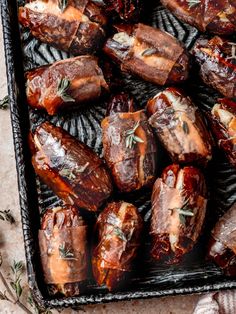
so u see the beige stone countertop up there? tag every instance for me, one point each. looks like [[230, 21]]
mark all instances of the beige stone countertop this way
[[11, 240]]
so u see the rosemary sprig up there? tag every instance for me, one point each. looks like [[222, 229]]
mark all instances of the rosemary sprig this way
[[65, 252], [4, 103], [149, 52], [62, 88], [7, 216], [62, 4], [17, 270], [233, 51], [193, 3], [131, 138]]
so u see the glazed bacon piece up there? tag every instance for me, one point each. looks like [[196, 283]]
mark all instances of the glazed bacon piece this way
[[150, 53], [129, 146], [73, 26], [63, 250], [223, 121], [217, 60], [222, 246], [118, 229], [215, 16], [64, 84], [180, 127], [178, 212], [70, 168]]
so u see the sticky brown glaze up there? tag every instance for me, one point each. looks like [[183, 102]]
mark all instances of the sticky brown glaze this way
[[149, 53], [121, 102], [118, 228], [180, 127], [128, 10], [133, 164], [65, 84], [217, 61], [178, 212], [223, 121], [78, 28], [70, 168], [215, 16], [63, 250], [222, 245]]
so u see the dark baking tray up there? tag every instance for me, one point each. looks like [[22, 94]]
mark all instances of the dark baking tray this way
[[148, 279]]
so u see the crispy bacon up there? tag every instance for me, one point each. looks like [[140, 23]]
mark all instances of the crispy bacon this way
[[65, 84], [63, 250], [70, 168], [118, 228], [215, 16], [180, 127], [217, 60], [73, 26], [129, 146], [150, 53], [178, 212]]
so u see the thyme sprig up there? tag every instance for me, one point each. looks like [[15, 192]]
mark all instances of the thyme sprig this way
[[184, 212], [120, 234], [193, 3], [62, 4], [17, 270], [131, 138], [65, 252], [4, 103], [149, 52], [62, 88], [185, 127], [7, 216]]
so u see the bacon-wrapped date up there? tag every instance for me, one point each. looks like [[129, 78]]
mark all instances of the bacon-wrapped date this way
[[65, 83], [180, 127], [118, 229], [70, 168], [73, 26], [63, 250], [150, 53], [178, 212], [222, 246], [129, 147], [215, 16], [217, 60], [223, 121]]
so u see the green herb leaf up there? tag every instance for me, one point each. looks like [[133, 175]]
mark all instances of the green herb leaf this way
[[62, 4], [62, 88], [4, 103], [131, 138], [193, 3], [185, 127], [65, 252], [149, 52]]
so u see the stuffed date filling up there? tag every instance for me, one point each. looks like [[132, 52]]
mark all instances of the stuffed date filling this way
[[150, 53]]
